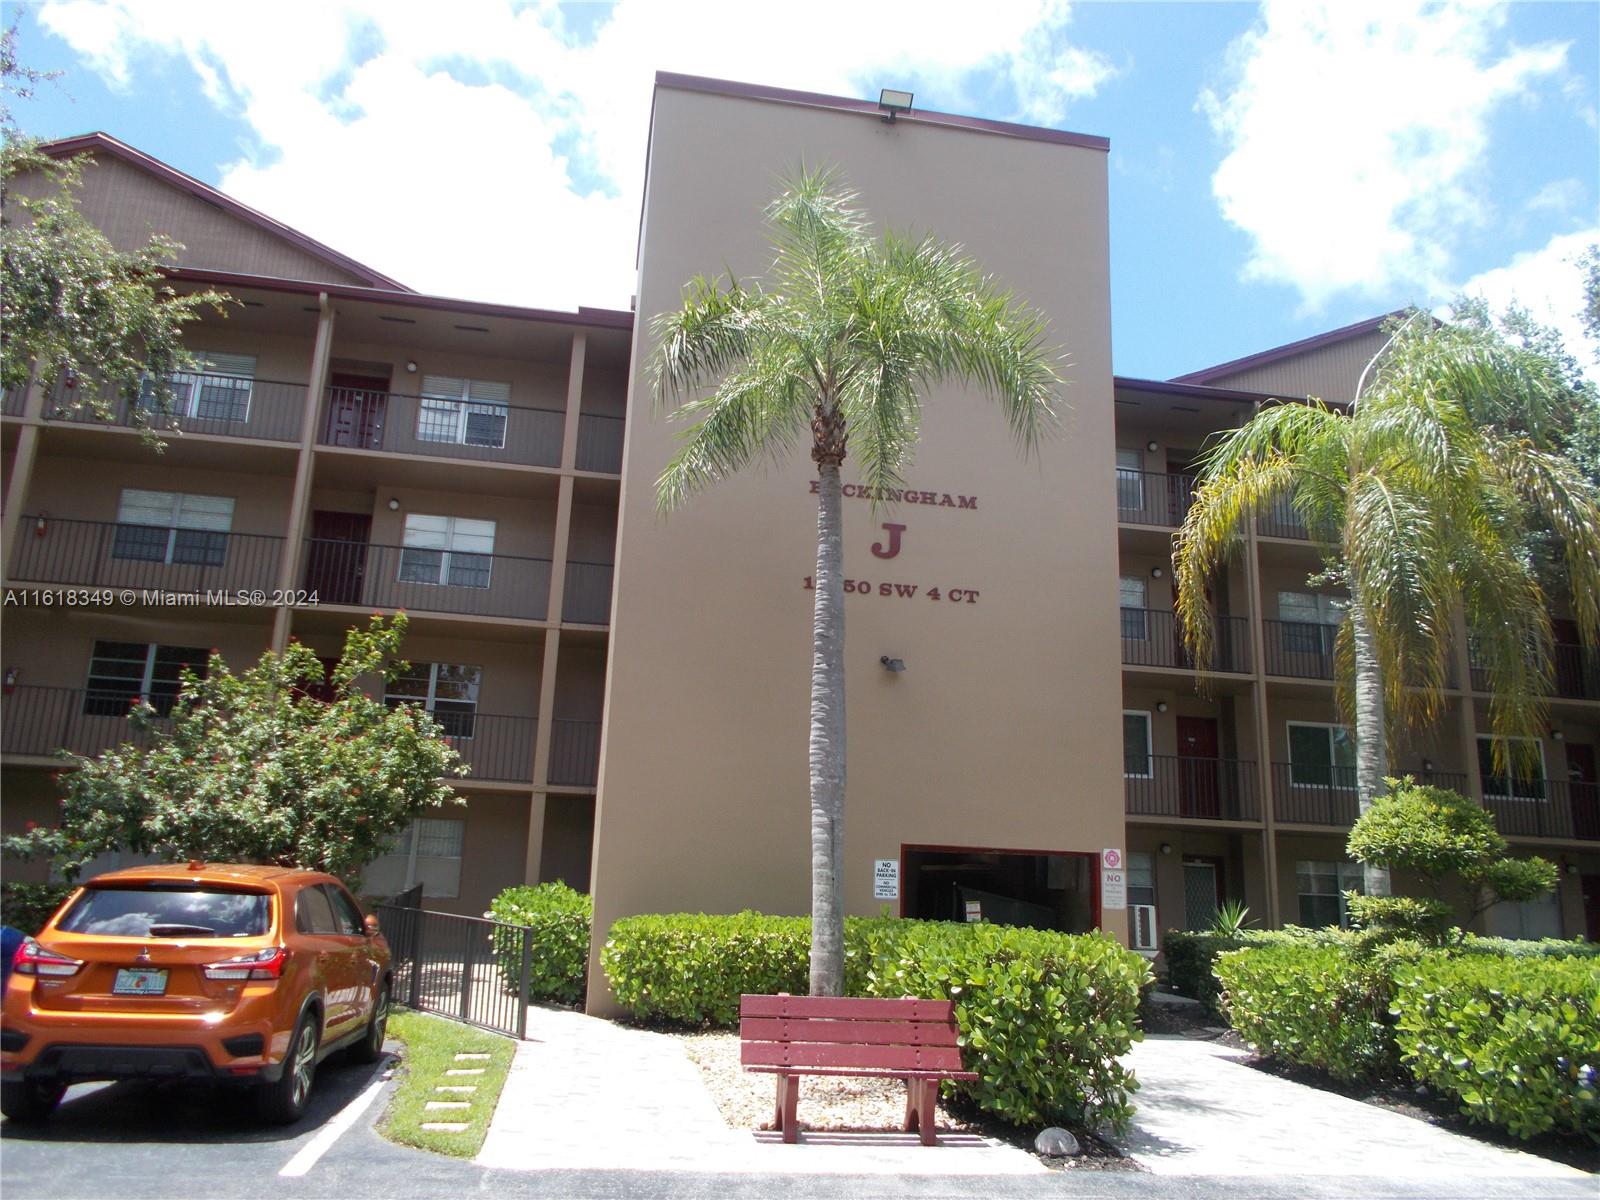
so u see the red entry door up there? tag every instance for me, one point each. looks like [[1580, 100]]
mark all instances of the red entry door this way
[[1585, 788], [357, 405], [1199, 792], [336, 558]]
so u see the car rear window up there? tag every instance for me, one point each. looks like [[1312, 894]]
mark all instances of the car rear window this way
[[182, 910]]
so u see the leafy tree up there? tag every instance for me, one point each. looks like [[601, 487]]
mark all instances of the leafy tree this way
[[75, 307], [1441, 836], [256, 770], [840, 342], [1423, 512]]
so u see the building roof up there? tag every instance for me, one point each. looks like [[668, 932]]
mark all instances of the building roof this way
[[104, 143], [1289, 350]]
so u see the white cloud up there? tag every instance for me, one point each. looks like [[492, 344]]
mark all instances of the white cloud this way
[[1356, 137], [409, 160], [1548, 283]]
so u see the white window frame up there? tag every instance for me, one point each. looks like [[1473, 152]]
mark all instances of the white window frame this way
[[1333, 765], [176, 522], [1510, 776], [1327, 606], [1143, 609], [213, 364], [1347, 877], [146, 678], [406, 846], [1149, 745], [442, 577], [1130, 477], [431, 698], [463, 403]]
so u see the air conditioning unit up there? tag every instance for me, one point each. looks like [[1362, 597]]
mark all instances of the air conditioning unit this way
[[1142, 926]]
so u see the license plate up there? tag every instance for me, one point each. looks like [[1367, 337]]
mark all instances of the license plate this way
[[139, 981]]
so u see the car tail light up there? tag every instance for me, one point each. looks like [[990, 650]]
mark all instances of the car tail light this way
[[265, 964], [34, 959]]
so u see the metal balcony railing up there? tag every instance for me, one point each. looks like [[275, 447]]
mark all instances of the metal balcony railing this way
[[444, 581], [1553, 808], [482, 431], [1217, 789], [1314, 795], [574, 752], [109, 554], [224, 405], [586, 599], [16, 401], [1299, 649], [1153, 498], [494, 747], [39, 721], [599, 443], [1577, 672], [1150, 638], [1280, 520]]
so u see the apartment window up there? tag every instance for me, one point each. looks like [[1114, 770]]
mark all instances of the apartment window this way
[[1130, 479], [447, 550], [1140, 870], [1322, 886], [121, 672], [1136, 744], [469, 412], [1321, 755], [217, 389], [448, 691], [1135, 600], [428, 851], [1309, 620], [1519, 774], [172, 527]]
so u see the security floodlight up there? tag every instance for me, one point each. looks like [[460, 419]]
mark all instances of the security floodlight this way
[[893, 103], [892, 665]]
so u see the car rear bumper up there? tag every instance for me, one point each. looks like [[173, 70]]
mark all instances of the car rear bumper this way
[[80, 1063], [78, 1047]]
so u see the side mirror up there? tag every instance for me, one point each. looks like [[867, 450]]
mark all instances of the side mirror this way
[[371, 924]]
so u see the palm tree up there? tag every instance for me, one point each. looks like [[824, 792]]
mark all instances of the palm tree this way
[[841, 340], [1423, 513]]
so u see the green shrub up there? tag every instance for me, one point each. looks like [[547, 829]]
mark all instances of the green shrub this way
[[1320, 1006], [1191, 956], [1524, 948], [1043, 1016], [27, 906], [558, 962], [1516, 1041]]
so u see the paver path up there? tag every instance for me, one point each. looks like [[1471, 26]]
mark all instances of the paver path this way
[[1200, 1111]]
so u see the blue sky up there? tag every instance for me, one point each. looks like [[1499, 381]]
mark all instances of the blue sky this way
[[1276, 169]]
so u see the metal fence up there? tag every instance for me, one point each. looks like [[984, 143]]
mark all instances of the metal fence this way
[[1150, 638], [1217, 789], [469, 969], [483, 431], [222, 405], [144, 557], [423, 580], [599, 443], [1153, 498], [574, 752]]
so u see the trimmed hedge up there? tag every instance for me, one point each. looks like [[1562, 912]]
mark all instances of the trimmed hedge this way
[[560, 919], [1516, 1042], [1044, 1017], [1191, 956], [27, 906]]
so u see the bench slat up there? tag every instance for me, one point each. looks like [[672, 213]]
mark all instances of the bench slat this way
[[871, 1033], [846, 1008], [860, 1072], [881, 1058]]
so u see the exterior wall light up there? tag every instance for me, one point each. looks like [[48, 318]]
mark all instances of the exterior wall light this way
[[1161, 706], [1152, 445], [893, 103], [411, 366], [1557, 736], [1166, 847], [1156, 572], [892, 665], [394, 505]]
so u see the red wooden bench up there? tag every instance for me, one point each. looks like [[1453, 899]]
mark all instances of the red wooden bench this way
[[791, 1036]]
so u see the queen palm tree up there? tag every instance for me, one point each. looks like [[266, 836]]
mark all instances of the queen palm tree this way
[[1423, 512], [841, 341]]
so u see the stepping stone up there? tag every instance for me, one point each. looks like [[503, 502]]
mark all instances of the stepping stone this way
[[445, 1087], [433, 1105], [443, 1126], [464, 1071], [463, 1057]]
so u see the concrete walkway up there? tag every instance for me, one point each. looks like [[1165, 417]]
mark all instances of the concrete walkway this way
[[1201, 1111]]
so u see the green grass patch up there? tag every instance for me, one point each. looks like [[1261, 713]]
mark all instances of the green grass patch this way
[[431, 1046]]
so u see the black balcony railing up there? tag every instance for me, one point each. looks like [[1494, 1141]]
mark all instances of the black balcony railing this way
[[1314, 795], [359, 419], [1217, 789], [599, 443], [109, 554], [494, 747], [1280, 520], [1299, 649], [1150, 638], [587, 597], [1577, 672], [39, 721], [16, 401], [1552, 808], [574, 752], [1152, 498], [444, 581], [224, 405], [1455, 781]]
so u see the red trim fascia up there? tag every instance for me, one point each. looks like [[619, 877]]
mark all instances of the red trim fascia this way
[[607, 318], [753, 91], [1288, 350], [92, 142]]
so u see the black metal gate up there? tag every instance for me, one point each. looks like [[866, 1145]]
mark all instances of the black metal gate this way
[[466, 968]]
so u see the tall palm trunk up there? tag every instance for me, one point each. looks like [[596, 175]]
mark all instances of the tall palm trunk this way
[[1372, 745], [827, 742]]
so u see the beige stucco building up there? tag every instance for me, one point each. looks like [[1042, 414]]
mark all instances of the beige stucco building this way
[[630, 691]]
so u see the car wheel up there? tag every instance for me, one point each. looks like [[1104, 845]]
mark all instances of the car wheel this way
[[370, 1048], [284, 1102], [30, 1100]]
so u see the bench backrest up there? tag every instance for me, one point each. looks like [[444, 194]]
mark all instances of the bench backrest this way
[[825, 1031]]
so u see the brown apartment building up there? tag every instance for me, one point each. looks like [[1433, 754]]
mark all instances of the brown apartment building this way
[[630, 691]]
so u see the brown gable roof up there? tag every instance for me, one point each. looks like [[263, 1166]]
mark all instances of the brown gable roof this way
[[104, 143]]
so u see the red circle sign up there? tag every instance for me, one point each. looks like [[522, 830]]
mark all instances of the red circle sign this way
[[1111, 858]]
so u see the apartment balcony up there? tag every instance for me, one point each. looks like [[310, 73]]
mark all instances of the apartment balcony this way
[[1280, 520], [1577, 672], [496, 748], [478, 431], [1321, 795], [574, 753], [216, 405], [600, 443], [1299, 649], [1545, 808], [364, 575], [1181, 788], [15, 402], [1152, 498], [107, 554], [586, 599], [38, 721], [1150, 638]]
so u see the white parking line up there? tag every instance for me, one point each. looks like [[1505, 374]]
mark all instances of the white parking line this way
[[331, 1132]]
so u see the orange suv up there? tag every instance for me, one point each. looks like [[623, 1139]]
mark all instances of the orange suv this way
[[240, 974]]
